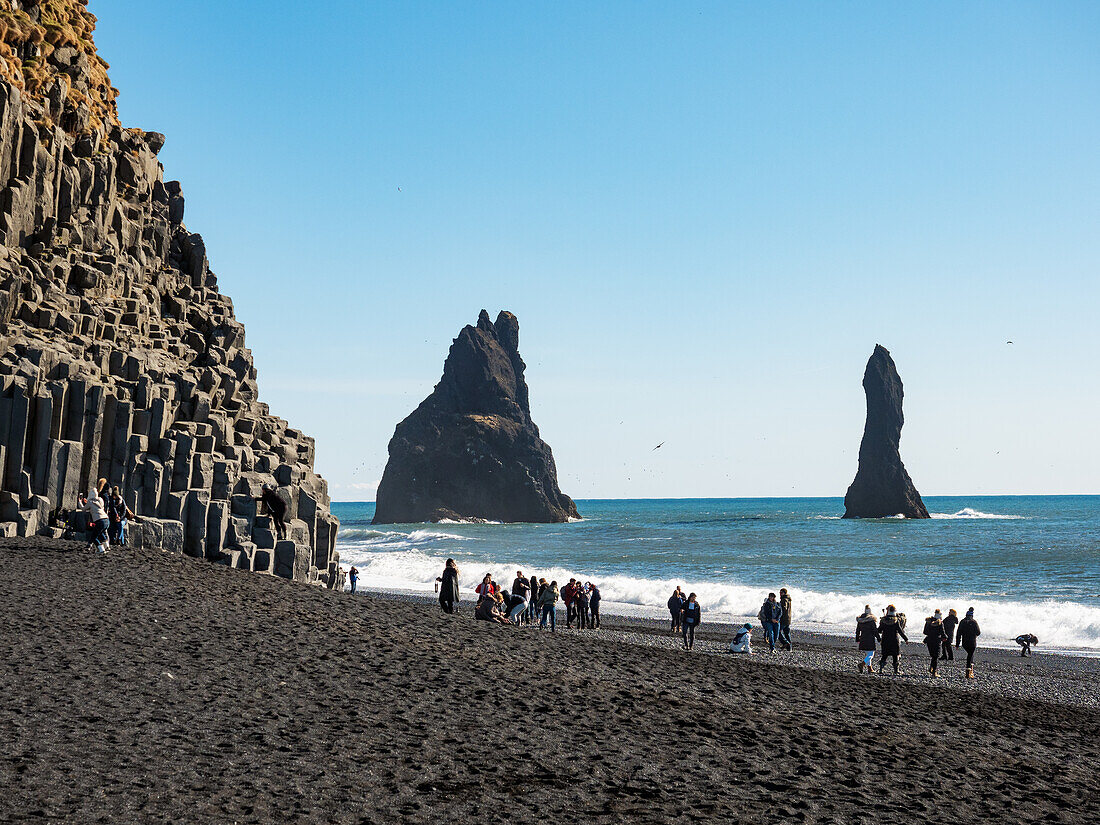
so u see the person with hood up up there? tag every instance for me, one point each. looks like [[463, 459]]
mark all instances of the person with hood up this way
[[890, 629], [690, 621], [770, 614], [967, 636], [96, 507], [548, 600], [867, 634], [742, 640], [594, 605], [949, 624], [934, 637], [1026, 641], [676, 607], [448, 587]]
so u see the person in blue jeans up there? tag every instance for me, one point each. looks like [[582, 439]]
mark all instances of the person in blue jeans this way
[[118, 513], [689, 618], [547, 603], [353, 576], [770, 614], [96, 508]]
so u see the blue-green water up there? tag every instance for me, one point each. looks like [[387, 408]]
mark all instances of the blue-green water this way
[[1026, 563]]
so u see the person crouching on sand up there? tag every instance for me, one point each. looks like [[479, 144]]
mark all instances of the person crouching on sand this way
[[448, 587], [867, 634], [548, 601], [967, 636], [934, 637], [690, 620], [676, 607], [1026, 641], [742, 640], [889, 630]]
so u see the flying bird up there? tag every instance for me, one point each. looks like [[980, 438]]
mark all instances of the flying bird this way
[[1008, 342], [659, 446]]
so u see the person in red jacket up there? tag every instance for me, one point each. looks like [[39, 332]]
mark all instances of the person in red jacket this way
[[568, 595]]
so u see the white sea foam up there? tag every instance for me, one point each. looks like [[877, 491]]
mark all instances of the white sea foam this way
[[465, 521], [1060, 625], [969, 513]]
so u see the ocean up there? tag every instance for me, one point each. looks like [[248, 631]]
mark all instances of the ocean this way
[[1025, 563]]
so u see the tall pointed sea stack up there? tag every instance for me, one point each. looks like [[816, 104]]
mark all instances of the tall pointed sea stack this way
[[882, 488], [470, 451], [119, 356]]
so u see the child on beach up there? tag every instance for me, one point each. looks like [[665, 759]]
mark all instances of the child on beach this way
[[742, 640], [867, 634], [1026, 641]]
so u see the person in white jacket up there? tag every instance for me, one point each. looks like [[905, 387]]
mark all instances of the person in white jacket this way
[[742, 640], [96, 507]]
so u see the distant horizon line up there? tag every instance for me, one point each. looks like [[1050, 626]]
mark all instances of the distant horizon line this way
[[805, 498]]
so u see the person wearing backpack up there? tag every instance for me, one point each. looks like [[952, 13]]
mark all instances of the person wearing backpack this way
[[742, 640], [967, 636], [934, 637]]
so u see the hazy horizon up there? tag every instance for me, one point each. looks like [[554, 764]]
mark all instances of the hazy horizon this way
[[704, 218]]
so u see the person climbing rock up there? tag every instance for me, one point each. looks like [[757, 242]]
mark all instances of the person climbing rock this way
[[276, 508]]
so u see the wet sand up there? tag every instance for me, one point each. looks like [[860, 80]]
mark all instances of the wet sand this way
[[142, 687]]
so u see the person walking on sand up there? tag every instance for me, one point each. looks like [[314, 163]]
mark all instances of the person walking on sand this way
[[934, 637], [967, 636], [353, 577], [676, 607], [594, 605], [867, 634], [547, 603], [742, 640], [448, 587], [785, 604], [770, 614], [949, 624], [692, 613], [890, 629], [96, 508], [1026, 641]]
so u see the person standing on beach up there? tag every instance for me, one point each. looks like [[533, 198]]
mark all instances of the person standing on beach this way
[[568, 594], [547, 602], [594, 605], [785, 604], [948, 652], [521, 587], [867, 634], [676, 607], [692, 614], [96, 508], [580, 606], [353, 575], [769, 616], [967, 636], [448, 587], [118, 513], [890, 629], [532, 602], [934, 637]]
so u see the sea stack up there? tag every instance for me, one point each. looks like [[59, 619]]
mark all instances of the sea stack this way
[[470, 451], [119, 356], [882, 488]]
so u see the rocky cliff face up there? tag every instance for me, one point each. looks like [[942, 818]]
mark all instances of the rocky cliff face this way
[[119, 357], [882, 488], [471, 450]]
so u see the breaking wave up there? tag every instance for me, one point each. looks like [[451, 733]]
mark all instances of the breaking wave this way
[[969, 513]]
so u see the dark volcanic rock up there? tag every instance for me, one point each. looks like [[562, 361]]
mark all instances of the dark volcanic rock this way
[[470, 450], [881, 487]]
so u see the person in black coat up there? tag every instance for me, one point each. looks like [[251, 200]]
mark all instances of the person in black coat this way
[[890, 631], [949, 624], [689, 619], [594, 604], [448, 587], [676, 607], [867, 637], [967, 636], [933, 639]]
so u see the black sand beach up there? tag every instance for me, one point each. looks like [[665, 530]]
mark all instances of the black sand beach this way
[[142, 687]]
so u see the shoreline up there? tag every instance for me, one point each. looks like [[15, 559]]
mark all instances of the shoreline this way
[[146, 686]]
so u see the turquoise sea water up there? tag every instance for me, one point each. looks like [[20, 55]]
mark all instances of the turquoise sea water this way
[[1026, 563]]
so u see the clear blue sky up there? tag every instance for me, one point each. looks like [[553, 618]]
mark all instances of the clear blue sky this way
[[705, 216]]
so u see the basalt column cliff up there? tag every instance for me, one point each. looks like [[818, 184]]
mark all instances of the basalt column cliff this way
[[882, 488], [470, 451], [119, 357]]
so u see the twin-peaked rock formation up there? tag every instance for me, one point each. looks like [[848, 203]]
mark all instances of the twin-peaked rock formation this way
[[470, 451], [882, 488], [119, 357]]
